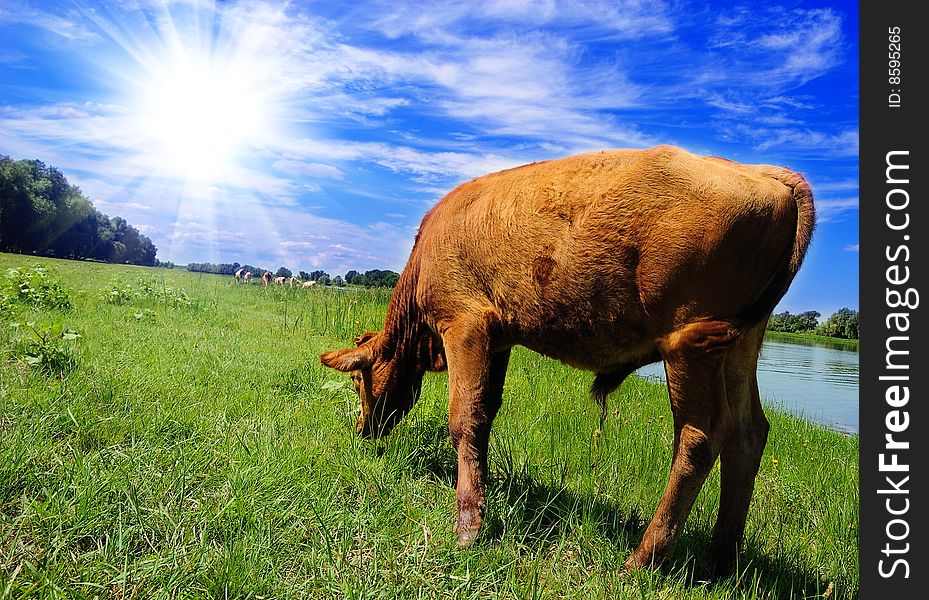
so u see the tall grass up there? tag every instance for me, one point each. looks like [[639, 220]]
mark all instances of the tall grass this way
[[811, 339], [201, 450]]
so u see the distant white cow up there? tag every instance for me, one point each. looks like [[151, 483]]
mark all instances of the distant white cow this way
[[246, 277], [292, 281], [280, 280], [308, 284], [239, 275]]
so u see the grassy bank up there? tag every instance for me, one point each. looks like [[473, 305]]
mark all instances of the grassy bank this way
[[189, 444], [812, 338]]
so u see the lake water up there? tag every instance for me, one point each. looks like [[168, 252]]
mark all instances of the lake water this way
[[813, 381]]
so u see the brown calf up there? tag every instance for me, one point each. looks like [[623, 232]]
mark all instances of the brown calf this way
[[606, 261]]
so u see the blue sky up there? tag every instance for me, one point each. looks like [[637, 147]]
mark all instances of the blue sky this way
[[315, 135]]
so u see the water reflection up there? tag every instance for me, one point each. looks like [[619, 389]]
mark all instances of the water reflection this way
[[812, 380]]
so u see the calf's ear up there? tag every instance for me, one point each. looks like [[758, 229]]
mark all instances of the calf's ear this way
[[350, 359], [365, 337]]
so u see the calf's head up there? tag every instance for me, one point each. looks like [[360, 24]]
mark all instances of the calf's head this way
[[387, 383]]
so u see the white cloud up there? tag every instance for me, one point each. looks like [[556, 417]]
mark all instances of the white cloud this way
[[524, 84], [148, 230], [529, 87], [302, 241], [130, 205], [97, 126], [834, 209], [791, 102], [297, 167], [422, 165], [799, 141], [619, 18], [843, 185], [63, 24], [718, 100], [809, 43], [778, 48], [844, 143], [96, 189]]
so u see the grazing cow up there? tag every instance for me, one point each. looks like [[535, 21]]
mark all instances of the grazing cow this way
[[292, 281], [247, 277], [266, 278], [308, 284], [280, 280], [239, 275], [606, 261]]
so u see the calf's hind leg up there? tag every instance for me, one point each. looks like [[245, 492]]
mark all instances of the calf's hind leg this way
[[696, 385], [741, 452]]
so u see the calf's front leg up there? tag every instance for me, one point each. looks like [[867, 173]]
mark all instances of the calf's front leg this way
[[475, 392]]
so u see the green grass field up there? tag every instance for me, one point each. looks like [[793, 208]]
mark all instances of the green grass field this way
[[178, 438]]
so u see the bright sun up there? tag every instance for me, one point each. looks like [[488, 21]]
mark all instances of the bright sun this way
[[200, 117]]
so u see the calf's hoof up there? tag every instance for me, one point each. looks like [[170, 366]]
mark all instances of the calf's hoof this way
[[721, 564], [642, 558], [468, 525], [631, 564], [466, 539]]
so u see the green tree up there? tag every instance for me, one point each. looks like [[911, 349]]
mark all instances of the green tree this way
[[41, 212], [255, 271], [843, 323], [19, 206], [379, 278], [808, 321], [804, 322]]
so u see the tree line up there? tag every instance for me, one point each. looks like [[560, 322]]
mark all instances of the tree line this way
[[42, 213], [372, 278], [843, 323], [223, 268]]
